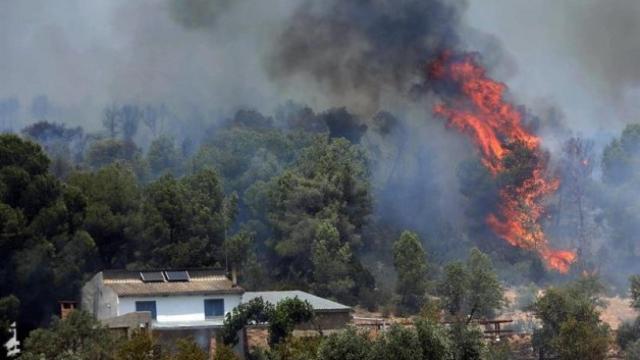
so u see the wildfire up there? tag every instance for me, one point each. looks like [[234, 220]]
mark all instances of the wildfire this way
[[496, 128]]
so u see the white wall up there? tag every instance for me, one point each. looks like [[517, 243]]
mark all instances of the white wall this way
[[178, 308]]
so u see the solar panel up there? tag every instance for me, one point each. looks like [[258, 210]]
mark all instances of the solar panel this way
[[177, 275], [152, 276]]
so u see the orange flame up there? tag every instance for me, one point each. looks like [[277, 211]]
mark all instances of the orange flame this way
[[493, 124]]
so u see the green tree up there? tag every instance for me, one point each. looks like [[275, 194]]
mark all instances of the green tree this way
[[286, 315], [467, 342], [346, 345], [571, 325], [141, 346], [255, 311], [162, 156], [295, 348], [409, 259], [108, 151], [282, 318], [113, 211], [629, 332], [328, 183], [472, 290], [184, 223], [619, 158], [635, 291], [79, 336], [398, 343], [224, 352], [620, 174], [434, 340], [41, 235], [331, 264], [189, 350], [579, 339]]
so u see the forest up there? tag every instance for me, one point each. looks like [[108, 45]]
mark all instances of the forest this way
[[291, 201]]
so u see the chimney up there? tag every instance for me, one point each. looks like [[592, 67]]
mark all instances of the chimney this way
[[234, 276], [66, 307]]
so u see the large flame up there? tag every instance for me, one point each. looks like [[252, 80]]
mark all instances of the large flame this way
[[496, 127]]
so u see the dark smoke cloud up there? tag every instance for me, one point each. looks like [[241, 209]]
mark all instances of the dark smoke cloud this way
[[362, 49]]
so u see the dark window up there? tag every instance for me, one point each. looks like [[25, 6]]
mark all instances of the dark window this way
[[213, 308], [149, 306]]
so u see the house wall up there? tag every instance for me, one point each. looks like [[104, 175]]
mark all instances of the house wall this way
[[98, 299], [179, 308]]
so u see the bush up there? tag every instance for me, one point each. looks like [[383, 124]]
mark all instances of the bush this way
[[398, 343], [223, 352], [189, 350], [434, 340], [467, 342], [347, 345], [628, 333]]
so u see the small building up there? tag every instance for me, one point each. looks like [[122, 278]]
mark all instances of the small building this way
[[329, 315], [172, 303]]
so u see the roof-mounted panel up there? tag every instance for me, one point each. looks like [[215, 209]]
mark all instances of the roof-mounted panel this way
[[152, 276], [174, 276]]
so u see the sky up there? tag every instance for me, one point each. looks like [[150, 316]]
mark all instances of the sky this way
[[578, 55]]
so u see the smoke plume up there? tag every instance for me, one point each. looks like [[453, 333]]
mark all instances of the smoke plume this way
[[361, 51]]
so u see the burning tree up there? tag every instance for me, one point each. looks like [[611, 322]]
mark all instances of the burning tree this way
[[577, 167], [508, 150]]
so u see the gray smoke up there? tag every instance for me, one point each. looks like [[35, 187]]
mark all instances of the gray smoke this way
[[579, 56], [86, 55], [359, 51]]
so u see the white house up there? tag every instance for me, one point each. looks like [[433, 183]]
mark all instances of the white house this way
[[174, 298], [185, 303]]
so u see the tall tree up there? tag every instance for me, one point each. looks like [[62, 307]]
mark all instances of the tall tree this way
[[41, 235], [472, 290], [409, 259], [331, 264], [184, 222], [113, 211], [571, 325], [574, 206], [162, 156], [327, 184]]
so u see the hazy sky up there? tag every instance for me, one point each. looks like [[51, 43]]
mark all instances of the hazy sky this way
[[580, 56]]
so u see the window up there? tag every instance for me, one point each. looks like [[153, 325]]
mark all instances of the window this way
[[149, 306], [213, 308]]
